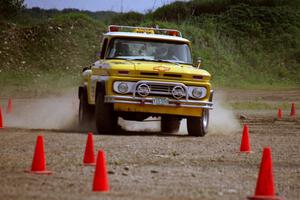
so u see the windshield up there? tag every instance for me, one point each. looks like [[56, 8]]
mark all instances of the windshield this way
[[133, 49]]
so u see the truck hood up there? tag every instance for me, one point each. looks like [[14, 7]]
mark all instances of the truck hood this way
[[155, 69]]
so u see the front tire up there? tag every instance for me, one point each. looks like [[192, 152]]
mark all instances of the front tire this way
[[198, 126], [106, 120], [86, 111], [169, 124]]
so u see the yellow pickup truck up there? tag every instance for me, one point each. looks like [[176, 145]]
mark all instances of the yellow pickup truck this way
[[141, 73]]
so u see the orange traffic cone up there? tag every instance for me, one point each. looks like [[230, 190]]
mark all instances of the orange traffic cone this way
[[9, 106], [245, 144], [1, 118], [279, 114], [293, 110], [100, 183], [89, 156], [39, 162], [265, 182]]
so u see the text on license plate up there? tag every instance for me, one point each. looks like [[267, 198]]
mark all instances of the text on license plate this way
[[160, 101]]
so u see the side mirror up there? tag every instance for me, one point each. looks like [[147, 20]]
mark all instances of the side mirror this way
[[87, 73], [199, 62], [84, 69]]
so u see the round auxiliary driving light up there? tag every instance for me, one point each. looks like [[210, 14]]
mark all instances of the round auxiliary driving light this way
[[143, 90], [178, 92], [123, 88]]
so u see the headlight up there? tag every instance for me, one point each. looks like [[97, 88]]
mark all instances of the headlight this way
[[197, 92], [123, 87]]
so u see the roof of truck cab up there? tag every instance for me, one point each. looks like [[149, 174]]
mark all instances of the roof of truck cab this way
[[146, 36]]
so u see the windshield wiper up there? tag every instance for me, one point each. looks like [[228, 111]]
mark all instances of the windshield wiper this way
[[154, 60], [141, 59], [116, 58], [168, 61], [175, 62]]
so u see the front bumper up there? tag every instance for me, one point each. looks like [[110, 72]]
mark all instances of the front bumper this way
[[149, 101]]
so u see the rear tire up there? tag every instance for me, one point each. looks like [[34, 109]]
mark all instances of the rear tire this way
[[106, 119], [86, 111], [198, 126], [170, 124]]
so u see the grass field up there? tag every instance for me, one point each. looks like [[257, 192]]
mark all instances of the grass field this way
[[248, 46]]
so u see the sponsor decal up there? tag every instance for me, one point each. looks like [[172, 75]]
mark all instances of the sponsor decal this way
[[161, 69]]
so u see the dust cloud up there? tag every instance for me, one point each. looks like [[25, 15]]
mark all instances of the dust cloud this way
[[149, 125], [222, 120], [61, 113], [53, 112]]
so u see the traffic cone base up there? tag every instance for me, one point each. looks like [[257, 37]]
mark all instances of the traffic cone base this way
[[246, 152], [89, 164], [46, 172], [264, 198]]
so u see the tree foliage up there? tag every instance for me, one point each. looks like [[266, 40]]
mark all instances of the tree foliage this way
[[130, 18], [10, 8], [179, 11]]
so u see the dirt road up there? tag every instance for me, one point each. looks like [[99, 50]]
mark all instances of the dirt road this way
[[151, 165]]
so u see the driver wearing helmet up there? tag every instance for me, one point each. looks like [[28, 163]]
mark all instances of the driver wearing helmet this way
[[122, 49], [161, 52]]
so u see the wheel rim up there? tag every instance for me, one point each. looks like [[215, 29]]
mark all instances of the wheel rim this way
[[205, 119]]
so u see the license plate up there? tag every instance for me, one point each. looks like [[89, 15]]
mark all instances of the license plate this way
[[160, 101]]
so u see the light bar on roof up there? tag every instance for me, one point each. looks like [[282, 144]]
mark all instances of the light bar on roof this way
[[146, 30]]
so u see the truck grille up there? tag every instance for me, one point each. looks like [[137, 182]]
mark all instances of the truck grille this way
[[160, 89], [157, 88]]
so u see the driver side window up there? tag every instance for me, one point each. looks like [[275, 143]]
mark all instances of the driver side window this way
[[104, 47]]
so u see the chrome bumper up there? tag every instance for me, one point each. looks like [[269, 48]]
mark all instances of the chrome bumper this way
[[149, 101]]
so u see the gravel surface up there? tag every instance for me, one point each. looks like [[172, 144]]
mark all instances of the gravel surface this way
[[153, 165]]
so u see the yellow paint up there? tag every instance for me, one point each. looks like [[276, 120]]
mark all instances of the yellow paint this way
[[141, 30], [110, 71], [196, 112]]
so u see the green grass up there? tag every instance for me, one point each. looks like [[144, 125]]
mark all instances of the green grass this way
[[236, 66], [38, 58], [244, 44], [254, 45], [39, 83], [260, 86], [180, 11]]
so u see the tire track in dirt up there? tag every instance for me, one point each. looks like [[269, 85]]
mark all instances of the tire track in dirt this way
[[152, 165]]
